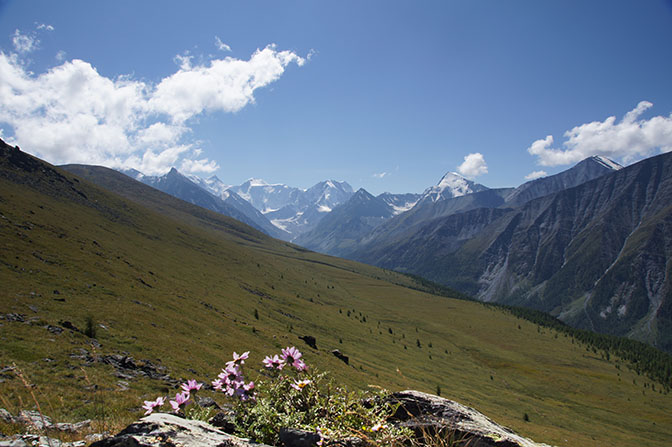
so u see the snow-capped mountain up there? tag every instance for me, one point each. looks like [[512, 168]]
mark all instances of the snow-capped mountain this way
[[307, 207], [292, 210], [212, 184], [267, 197], [328, 194], [451, 185], [191, 189]]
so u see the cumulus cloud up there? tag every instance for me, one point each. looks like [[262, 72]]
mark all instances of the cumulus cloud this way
[[72, 114], [221, 45], [535, 175], [203, 165], [224, 85], [473, 165], [45, 27], [627, 140]]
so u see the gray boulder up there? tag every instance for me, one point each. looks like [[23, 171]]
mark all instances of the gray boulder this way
[[160, 430], [427, 415]]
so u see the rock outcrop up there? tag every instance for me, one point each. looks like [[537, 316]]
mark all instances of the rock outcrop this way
[[425, 414], [160, 430]]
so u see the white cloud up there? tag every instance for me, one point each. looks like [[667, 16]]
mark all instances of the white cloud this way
[[380, 174], [535, 175], [72, 114], [473, 165], [225, 85], [60, 56], [203, 165], [24, 43], [44, 26], [221, 45], [628, 140]]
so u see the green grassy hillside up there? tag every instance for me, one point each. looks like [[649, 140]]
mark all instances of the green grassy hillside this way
[[178, 286]]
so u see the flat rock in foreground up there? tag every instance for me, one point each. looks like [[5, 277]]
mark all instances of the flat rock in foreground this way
[[161, 430]]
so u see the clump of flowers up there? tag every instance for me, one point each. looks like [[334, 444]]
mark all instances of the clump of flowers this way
[[180, 402], [288, 394]]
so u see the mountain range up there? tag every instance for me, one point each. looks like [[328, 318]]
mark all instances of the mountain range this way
[[590, 245], [278, 210], [185, 188]]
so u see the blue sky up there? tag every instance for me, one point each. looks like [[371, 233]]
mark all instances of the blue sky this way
[[387, 95]]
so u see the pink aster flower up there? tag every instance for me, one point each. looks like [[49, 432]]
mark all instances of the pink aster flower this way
[[231, 374], [299, 384], [180, 399], [246, 392], [217, 384], [191, 385], [232, 388], [291, 356], [238, 359], [150, 405], [300, 365], [274, 362]]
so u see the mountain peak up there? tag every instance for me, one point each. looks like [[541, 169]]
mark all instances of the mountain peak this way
[[256, 182], [606, 162], [362, 194], [451, 185]]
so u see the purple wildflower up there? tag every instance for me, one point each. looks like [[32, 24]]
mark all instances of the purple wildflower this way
[[231, 374], [291, 356], [274, 362], [246, 392], [238, 359], [300, 365], [180, 399], [191, 385], [150, 405]]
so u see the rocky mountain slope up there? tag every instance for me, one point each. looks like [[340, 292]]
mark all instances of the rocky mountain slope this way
[[596, 255], [340, 230], [586, 170]]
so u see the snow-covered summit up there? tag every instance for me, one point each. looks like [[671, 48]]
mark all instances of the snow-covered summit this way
[[451, 185]]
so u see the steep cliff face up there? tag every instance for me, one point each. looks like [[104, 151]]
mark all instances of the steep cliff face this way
[[598, 255]]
